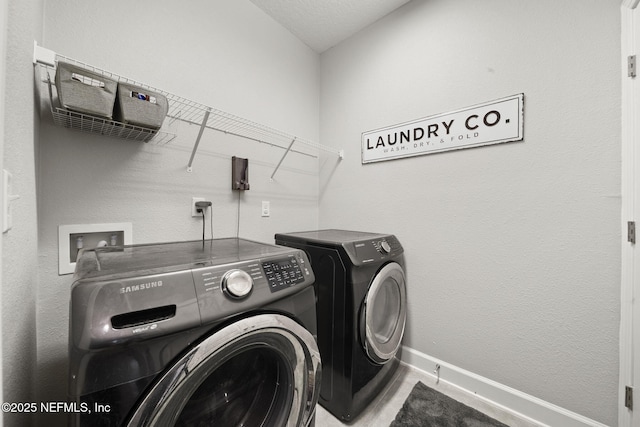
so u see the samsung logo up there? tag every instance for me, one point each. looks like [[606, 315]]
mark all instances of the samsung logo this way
[[140, 287]]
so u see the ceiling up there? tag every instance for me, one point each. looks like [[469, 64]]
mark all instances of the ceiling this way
[[322, 24]]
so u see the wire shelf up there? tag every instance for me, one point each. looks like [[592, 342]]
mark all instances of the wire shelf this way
[[100, 125], [106, 127], [194, 113], [181, 109]]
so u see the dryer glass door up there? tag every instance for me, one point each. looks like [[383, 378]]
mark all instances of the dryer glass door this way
[[260, 371], [385, 314]]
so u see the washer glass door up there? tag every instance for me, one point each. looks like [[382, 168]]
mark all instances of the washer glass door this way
[[260, 371], [384, 314]]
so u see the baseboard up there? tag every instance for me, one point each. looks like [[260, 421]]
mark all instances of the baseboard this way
[[508, 398]]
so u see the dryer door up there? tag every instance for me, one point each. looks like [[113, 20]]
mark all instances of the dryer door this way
[[260, 371], [385, 314]]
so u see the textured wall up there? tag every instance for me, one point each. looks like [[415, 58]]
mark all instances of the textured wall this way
[[513, 250], [4, 11], [226, 54], [19, 275]]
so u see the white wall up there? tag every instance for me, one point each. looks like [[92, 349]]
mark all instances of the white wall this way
[[513, 250], [4, 6], [226, 54], [20, 275]]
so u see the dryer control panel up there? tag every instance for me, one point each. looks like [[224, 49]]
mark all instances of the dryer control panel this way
[[373, 250]]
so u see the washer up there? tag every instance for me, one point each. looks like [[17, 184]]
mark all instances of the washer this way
[[361, 309], [217, 332]]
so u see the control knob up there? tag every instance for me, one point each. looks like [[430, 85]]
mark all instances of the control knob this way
[[385, 248], [237, 283]]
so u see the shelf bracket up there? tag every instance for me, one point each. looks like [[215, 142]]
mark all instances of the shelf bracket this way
[[43, 56], [195, 146], [282, 159]]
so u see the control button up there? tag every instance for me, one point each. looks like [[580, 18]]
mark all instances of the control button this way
[[384, 247], [237, 283]]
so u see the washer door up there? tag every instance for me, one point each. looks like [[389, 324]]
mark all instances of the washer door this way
[[384, 314], [260, 371]]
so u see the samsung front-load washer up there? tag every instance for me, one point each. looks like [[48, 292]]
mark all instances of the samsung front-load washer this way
[[213, 333], [361, 309]]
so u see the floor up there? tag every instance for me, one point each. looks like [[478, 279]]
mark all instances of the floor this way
[[382, 411]]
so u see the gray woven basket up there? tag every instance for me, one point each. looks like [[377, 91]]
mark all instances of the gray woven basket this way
[[84, 91]]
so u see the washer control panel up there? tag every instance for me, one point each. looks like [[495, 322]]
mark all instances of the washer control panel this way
[[237, 283], [283, 273], [225, 290]]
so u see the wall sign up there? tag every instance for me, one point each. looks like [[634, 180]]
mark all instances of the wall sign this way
[[492, 122]]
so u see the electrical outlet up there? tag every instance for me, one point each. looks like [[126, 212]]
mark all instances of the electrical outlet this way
[[266, 208], [194, 210]]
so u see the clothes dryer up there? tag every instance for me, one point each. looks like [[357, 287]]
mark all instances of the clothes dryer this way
[[361, 309], [219, 332]]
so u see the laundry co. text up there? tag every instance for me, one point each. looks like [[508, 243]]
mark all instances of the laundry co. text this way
[[489, 123]]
